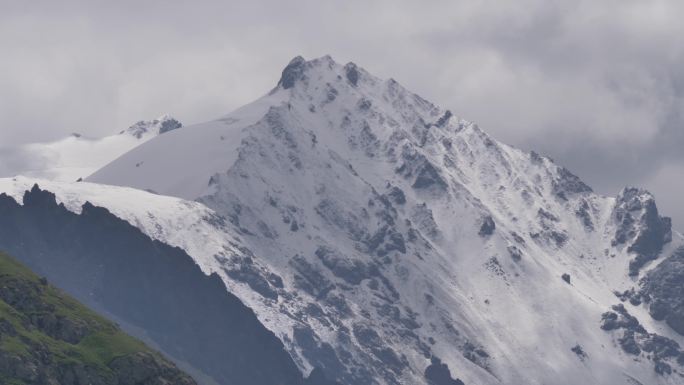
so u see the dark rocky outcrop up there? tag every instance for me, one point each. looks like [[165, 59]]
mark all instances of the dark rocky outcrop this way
[[163, 125], [566, 277], [248, 273], [46, 337], [155, 291], [352, 73], [581, 354], [352, 270], [663, 288], [438, 373], [567, 184], [397, 195], [428, 176], [635, 340], [515, 253], [292, 72], [169, 125], [487, 227], [583, 213], [640, 227]]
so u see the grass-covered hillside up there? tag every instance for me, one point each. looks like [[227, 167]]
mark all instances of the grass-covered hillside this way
[[48, 338]]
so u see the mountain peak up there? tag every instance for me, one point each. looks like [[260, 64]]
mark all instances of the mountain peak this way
[[292, 72], [392, 231], [162, 124], [298, 68]]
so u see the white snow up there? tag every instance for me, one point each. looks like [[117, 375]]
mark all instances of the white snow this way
[[324, 154]]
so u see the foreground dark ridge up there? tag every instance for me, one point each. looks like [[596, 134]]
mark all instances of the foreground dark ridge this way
[[155, 291], [46, 337]]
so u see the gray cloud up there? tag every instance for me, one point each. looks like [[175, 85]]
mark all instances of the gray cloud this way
[[596, 85]]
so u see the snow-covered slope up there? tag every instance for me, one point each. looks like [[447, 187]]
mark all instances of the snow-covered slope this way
[[76, 156], [381, 238]]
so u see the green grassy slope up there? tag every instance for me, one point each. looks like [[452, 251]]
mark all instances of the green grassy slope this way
[[46, 337]]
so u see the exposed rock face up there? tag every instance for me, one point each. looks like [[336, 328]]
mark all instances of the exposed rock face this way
[[146, 285], [48, 338], [352, 73], [664, 288], [488, 226], [292, 72], [567, 184], [635, 340], [566, 277], [640, 227], [160, 125], [577, 349], [438, 373]]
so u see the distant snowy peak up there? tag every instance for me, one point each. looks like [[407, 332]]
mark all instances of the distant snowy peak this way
[[162, 124], [78, 156]]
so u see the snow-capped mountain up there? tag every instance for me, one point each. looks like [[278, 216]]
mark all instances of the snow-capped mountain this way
[[387, 241], [76, 156]]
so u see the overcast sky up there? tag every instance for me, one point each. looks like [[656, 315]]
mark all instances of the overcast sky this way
[[596, 85]]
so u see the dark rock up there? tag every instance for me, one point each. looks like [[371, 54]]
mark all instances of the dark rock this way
[[566, 277], [337, 216], [397, 195], [169, 125], [385, 240], [475, 354], [339, 304], [309, 278], [516, 237], [352, 73], [487, 227], [370, 339], [444, 119], [628, 343], [577, 349], [609, 321], [640, 227], [250, 275], [633, 297], [427, 177], [351, 270], [545, 215], [365, 104], [662, 368], [559, 238], [636, 339], [584, 216], [658, 309], [292, 72], [664, 285], [568, 184], [660, 347], [331, 93], [515, 253], [320, 354]]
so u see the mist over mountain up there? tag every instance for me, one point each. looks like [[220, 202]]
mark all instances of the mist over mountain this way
[[76, 156]]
